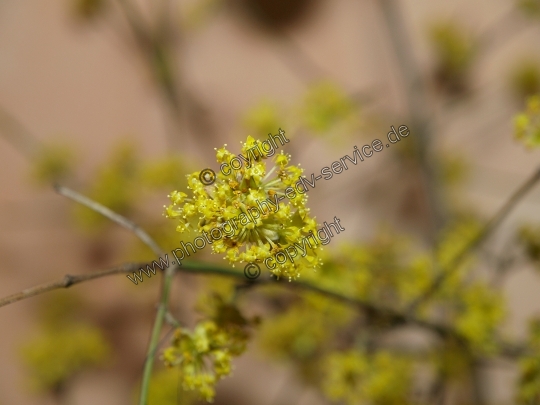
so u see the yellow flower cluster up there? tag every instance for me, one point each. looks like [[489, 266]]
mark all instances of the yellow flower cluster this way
[[232, 196], [527, 124], [354, 377], [57, 354], [204, 355]]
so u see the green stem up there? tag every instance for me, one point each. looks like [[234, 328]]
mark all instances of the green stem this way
[[156, 331], [388, 313]]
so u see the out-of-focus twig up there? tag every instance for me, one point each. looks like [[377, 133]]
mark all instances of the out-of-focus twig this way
[[416, 95], [136, 22], [506, 26], [18, 135], [157, 47], [482, 235], [298, 61], [156, 50]]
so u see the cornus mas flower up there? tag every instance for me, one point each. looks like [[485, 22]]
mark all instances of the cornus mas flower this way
[[527, 124], [204, 355], [230, 205]]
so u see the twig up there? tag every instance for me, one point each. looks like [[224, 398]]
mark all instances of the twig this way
[[437, 392], [482, 235], [171, 320], [298, 61], [476, 382], [418, 106], [156, 330], [136, 23], [17, 134], [395, 317], [165, 288], [163, 340], [113, 216], [209, 269], [392, 315], [156, 48], [67, 281], [503, 29]]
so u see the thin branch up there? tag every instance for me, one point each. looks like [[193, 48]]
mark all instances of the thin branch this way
[[113, 216], [415, 93], [488, 36], [476, 383], [18, 135], [67, 281], [156, 331], [482, 235], [171, 320], [156, 48], [308, 71], [437, 392], [298, 61], [510, 23], [166, 284], [392, 315], [509, 350], [209, 269], [136, 23]]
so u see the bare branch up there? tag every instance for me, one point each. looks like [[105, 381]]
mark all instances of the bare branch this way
[[507, 350], [391, 315], [67, 281], [113, 216], [209, 269], [165, 287]]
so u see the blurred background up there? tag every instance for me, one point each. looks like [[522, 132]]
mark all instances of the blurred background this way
[[120, 99]]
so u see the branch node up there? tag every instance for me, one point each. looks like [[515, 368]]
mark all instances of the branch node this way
[[68, 280]]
